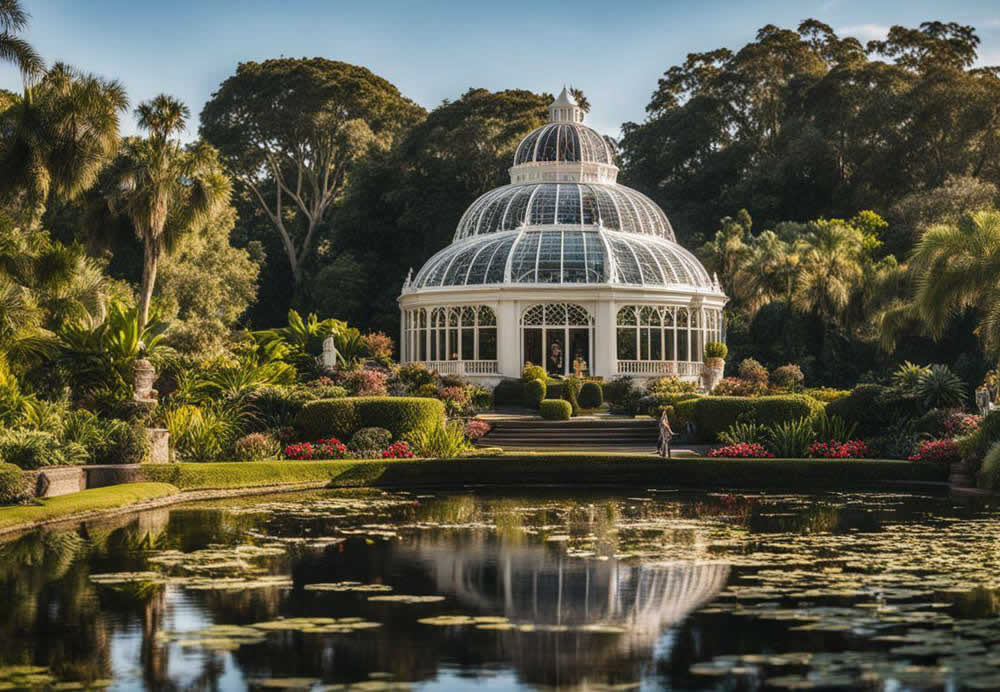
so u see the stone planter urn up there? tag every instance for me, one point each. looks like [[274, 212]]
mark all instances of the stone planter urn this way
[[145, 376], [714, 368]]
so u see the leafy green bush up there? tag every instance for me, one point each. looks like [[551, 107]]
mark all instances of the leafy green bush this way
[[202, 433], [591, 395], [85, 429], [618, 389], [341, 418], [370, 440], [669, 385], [716, 349], [873, 408], [571, 392], [908, 375], [749, 433], [752, 371], [653, 404], [443, 440], [975, 445], [413, 376], [989, 475], [508, 393], [790, 439], [714, 414], [534, 392], [939, 387], [832, 428], [683, 414], [556, 409], [14, 488], [256, 447], [35, 449], [534, 372], [788, 376], [122, 443], [275, 407]]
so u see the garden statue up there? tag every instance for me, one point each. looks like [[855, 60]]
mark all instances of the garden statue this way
[[329, 357], [145, 376], [983, 403]]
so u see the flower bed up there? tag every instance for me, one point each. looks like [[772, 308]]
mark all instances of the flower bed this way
[[743, 450], [398, 450], [852, 449], [330, 448], [943, 452]]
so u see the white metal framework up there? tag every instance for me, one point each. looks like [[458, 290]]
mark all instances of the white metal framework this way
[[563, 256]]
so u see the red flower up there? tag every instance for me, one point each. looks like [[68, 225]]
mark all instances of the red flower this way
[[331, 448], [743, 450], [398, 450], [938, 451], [852, 449]]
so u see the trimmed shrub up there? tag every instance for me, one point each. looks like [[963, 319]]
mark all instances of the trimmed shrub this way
[[571, 392], [591, 395], [256, 447], [670, 385], [826, 394], [989, 477], [476, 429], [370, 440], [752, 371], [508, 393], [556, 409], [788, 376], [534, 372], [534, 392], [14, 488], [713, 414], [683, 414], [618, 389], [341, 418]]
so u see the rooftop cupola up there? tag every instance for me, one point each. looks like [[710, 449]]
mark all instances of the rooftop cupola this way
[[565, 109]]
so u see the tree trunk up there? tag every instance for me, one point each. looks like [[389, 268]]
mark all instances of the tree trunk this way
[[150, 260]]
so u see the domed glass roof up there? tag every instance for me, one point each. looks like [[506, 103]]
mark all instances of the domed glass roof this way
[[613, 207], [564, 220], [564, 142], [564, 257]]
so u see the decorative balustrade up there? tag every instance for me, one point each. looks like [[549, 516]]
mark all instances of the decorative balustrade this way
[[463, 367], [680, 368]]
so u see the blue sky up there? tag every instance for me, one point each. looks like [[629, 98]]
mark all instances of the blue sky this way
[[433, 51]]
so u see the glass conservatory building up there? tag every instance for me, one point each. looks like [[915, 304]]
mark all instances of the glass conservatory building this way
[[564, 268]]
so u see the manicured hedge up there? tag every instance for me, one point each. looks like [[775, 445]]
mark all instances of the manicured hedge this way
[[534, 393], [508, 393], [683, 414], [556, 409], [341, 418], [591, 395], [13, 485], [714, 414], [873, 408]]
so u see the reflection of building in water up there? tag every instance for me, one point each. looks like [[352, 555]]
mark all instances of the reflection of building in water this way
[[541, 585], [532, 584]]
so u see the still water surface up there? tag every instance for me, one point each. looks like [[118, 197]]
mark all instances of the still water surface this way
[[651, 589]]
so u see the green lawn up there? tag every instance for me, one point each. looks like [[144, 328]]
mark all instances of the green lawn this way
[[112, 497], [247, 474]]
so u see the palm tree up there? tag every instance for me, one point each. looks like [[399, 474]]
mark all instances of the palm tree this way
[[767, 274], [957, 268], [14, 49], [60, 134], [830, 270], [164, 188]]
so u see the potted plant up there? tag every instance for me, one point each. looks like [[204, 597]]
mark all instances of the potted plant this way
[[715, 363]]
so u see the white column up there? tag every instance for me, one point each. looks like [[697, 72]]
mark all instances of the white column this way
[[402, 336], [508, 335], [605, 349]]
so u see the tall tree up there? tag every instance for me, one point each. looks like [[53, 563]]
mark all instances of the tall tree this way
[[164, 188], [13, 48], [59, 135], [956, 267], [290, 132]]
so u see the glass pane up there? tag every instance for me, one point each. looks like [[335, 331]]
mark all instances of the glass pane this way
[[626, 344], [574, 269], [555, 313], [488, 343], [498, 264], [522, 268], [626, 316], [555, 352], [533, 346], [543, 205], [579, 352], [627, 267], [468, 351], [596, 272], [550, 258], [569, 204]]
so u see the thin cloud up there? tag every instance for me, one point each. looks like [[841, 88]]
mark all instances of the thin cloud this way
[[865, 32]]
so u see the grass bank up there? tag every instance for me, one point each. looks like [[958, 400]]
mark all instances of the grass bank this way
[[96, 500], [565, 468]]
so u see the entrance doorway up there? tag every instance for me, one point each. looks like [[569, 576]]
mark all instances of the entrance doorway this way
[[558, 336]]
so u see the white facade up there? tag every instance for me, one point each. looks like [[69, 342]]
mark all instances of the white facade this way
[[563, 268]]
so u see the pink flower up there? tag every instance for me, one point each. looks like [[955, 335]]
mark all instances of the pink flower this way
[[938, 451], [398, 450], [852, 449]]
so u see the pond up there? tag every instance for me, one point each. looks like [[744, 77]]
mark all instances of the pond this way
[[375, 590]]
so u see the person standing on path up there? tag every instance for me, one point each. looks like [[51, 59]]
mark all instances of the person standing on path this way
[[666, 434]]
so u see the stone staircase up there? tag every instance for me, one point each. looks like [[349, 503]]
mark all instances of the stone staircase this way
[[605, 434]]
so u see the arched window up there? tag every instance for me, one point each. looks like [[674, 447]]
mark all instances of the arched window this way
[[459, 333], [558, 336], [666, 333]]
